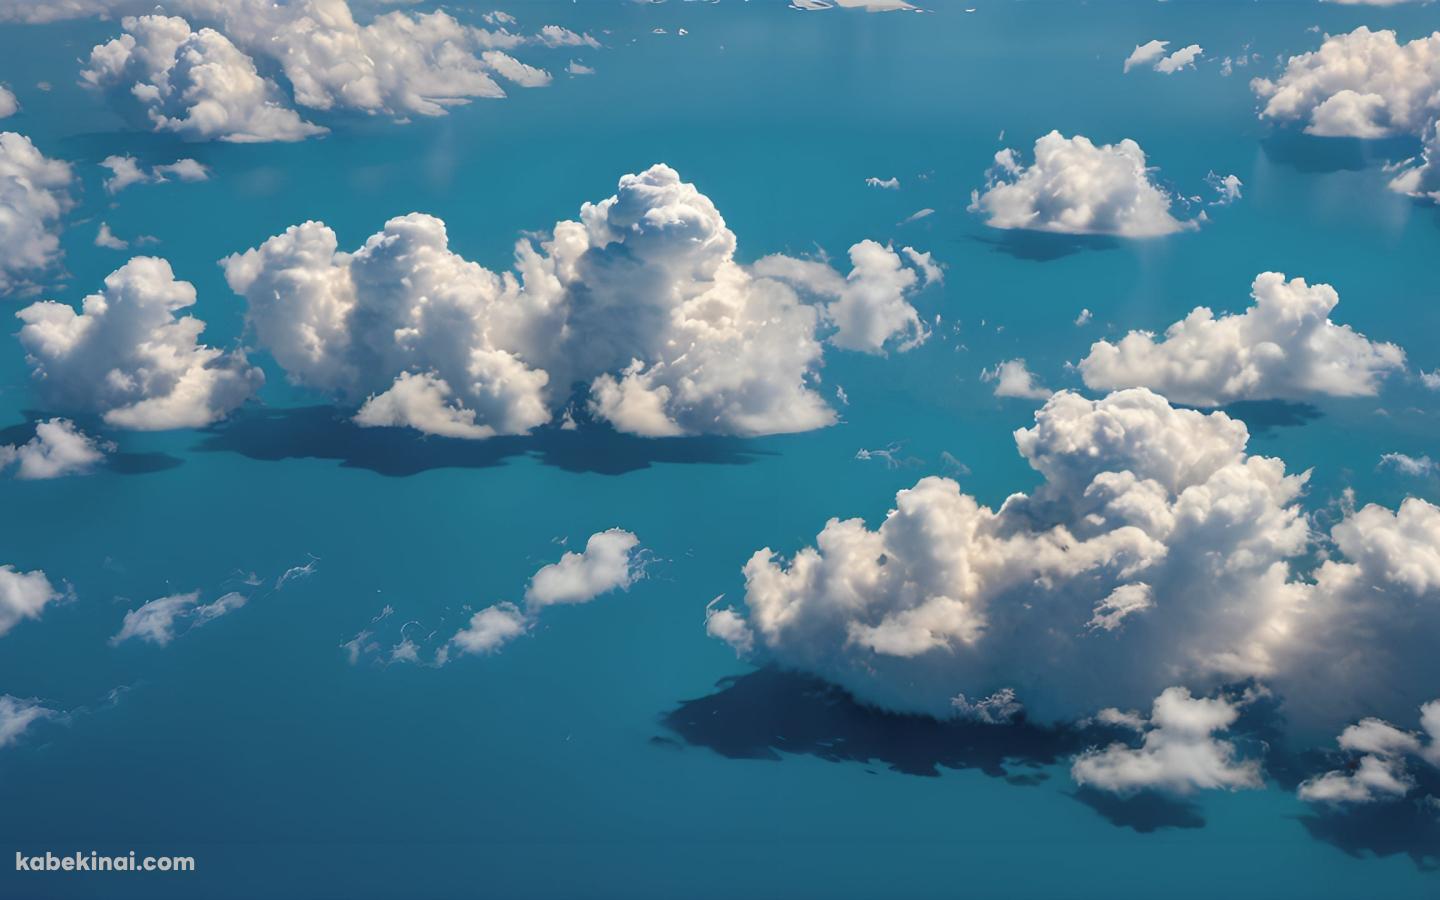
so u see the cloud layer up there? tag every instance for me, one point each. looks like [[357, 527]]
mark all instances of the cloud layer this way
[[1284, 346], [640, 304]]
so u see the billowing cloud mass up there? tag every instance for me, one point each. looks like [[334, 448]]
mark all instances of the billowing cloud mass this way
[[1156, 553], [156, 622], [640, 304], [23, 595], [1077, 187], [611, 561], [1282, 347], [1378, 756], [58, 448], [1364, 84], [128, 356], [1179, 751], [34, 193], [1013, 379], [17, 715], [194, 83]]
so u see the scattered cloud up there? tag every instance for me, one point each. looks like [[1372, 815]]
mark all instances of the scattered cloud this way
[[156, 622], [1013, 379], [57, 449], [34, 194], [23, 595]]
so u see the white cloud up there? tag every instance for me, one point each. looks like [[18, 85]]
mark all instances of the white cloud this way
[[1183, 58], [1409, 465], [34, 193], [38, 12], [106, 238], [156, 622], [1179, 751], [17, 715], [1013, 379], [1382, 770], [890, 184], [1145, 53], [1284, 346], [555, 36], [1420, 178], [514, 70], [609, 562], [1363, 84], [58, 448], [724, 623], [576, 68], [127, 355], [641, 302], [1227, 187], [125, 171], [23, 595], [1077, 187], [194, 83], [9, 106]]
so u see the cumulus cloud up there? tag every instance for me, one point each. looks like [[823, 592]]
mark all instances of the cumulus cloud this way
[[129, 357], [1145, 53], [1364, 84], [641, 303], [194, 83], [1227, 188], [1179, 751], [106, 238], [126, 170], [1408, 465], [1013, 379], [9, 106], [156, 622], [18, 714], [1420, 178], [23, 595], [611, 561], [1379, 761], [1156, 553], [58, 448], [1154, 52], [34, 194], [1076, 187], [1284, 346], [1181, 59]]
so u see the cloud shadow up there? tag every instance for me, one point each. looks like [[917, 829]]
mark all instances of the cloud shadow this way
[[1045, 246], [1262, 417], [767, 713], [117, 461], [323, 432], [1406, 827], [1323, 155]]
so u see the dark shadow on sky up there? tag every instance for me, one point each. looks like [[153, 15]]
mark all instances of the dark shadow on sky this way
[[323, 432], [1319, 155], [765, 713], [1145, 811], [1045, 246], [1264, 416], [1408, 827]]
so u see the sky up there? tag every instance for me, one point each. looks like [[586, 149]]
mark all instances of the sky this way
[[810, 449]]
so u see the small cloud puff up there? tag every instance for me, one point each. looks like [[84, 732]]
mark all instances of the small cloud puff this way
[[57, 449], [1013, 379], [23, 595]]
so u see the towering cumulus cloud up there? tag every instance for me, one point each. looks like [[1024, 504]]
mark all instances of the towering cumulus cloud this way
[[640, 303], [127, 355], [1156, 553], [1285, 346], [1077, 187], [194, 83], [1364, 84], [34, 193]]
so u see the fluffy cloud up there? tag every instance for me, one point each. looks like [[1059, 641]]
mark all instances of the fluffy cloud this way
[[1013, 379], [23, 595], [1420, 178], [58, 448], [1155, 553], [611, 561], [1179, 751], [1381, 771], [127, 355], [1076, 187], [1284, 346], [1408, 465], [1183, 58], [1145, 53], [1154, 52], [34, 193], [194, 83], [156, 622], [640, 302], [125, 171], [1364, 84], [17, 715], [9, 106]]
